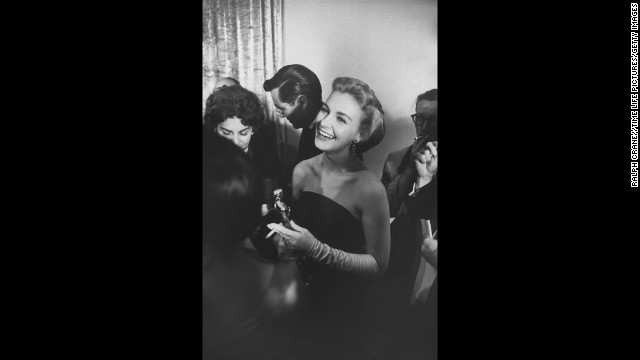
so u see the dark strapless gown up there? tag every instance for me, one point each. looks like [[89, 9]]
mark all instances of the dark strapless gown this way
[[341, 306]]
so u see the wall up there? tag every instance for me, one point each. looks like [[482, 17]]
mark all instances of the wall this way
[[390, 45]]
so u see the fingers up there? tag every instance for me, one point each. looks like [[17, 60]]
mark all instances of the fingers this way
[[417, 145], [422, 157], [295, 226], [428, 154], [281, 229], [433, 148], [424, 249], [429, 244]]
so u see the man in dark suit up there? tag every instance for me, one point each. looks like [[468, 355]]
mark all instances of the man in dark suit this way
[[297, 95], [426, 123], [410, 178]]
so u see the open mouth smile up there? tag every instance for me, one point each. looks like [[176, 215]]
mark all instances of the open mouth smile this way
[[324, 135]]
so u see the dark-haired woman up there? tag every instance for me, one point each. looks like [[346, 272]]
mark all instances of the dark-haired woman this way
[[235, 113]]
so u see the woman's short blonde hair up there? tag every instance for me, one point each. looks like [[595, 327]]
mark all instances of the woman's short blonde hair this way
[[372, 122]]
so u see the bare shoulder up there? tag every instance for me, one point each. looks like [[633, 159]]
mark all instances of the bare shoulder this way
[[369, 185], [306, 171], [307, 166], [372, 196]]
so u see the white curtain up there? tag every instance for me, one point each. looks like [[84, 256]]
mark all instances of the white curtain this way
[[242, 39]]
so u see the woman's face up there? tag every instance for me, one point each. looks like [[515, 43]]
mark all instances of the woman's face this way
[[233, 130], [338, 122]]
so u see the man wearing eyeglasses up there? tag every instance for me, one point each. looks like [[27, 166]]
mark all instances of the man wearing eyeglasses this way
[[409, 176], [425, 121], [297, 95]]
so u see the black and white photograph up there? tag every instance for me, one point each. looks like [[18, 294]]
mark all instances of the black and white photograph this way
[[321, 163], [330, 252]]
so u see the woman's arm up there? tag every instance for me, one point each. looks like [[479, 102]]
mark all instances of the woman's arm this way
[[297, 181], [375, 222]]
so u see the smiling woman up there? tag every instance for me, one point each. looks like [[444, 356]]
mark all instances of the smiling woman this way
[[356, 105], [341, 223]]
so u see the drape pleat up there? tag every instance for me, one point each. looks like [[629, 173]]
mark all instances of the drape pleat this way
[[243, 39]]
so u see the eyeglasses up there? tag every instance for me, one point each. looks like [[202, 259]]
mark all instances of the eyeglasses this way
[[419, 119], [279, 111]]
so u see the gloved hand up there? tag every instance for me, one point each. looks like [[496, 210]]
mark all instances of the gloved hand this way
[[300, 239]]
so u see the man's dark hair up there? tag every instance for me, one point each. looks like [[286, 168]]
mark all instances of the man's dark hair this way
[[294, 80], [430, 95]]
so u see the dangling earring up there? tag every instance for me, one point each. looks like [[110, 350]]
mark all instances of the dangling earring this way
[[352, 147]]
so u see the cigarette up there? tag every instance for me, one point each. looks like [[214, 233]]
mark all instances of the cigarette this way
[[271, 233]]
